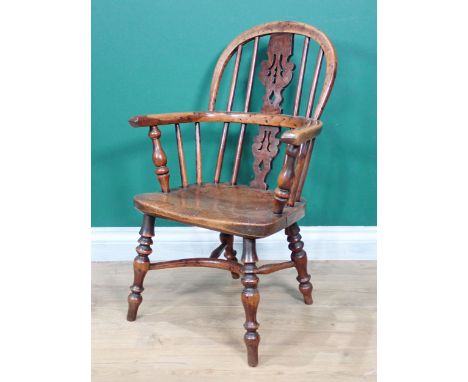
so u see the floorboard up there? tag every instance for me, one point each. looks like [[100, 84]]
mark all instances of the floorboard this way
[[189, 326]]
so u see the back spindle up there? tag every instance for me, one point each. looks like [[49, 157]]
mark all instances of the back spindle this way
[[198, 153], [232, 91], [180, 151], [275, 74], [297, 105], [240, 143], [306, 149], [300, 79], [313, 87], [302, 176]]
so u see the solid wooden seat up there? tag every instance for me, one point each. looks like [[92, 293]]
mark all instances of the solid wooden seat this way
[[249, 210], [235, 210]]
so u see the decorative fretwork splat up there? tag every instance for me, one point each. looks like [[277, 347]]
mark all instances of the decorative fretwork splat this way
[[276, 73]]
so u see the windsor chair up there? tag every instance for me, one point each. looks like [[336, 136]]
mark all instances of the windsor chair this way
[[248, 211]]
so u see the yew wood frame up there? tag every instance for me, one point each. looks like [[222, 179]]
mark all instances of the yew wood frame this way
[[299, 138]]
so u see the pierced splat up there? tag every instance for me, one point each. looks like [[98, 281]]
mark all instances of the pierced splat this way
[[276, 73], [236, 210]]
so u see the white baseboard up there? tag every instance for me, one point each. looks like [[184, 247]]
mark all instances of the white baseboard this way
[[170, 243]]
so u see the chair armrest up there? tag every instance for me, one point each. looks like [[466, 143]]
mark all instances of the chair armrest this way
[[302, 134], [294, 138], [280, 120]]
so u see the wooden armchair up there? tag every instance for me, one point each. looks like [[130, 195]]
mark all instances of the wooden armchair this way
[[248, 211]]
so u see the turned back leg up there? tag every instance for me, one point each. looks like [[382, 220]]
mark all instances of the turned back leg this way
[[140, 266], [227, 244], [299, 256], [250, 299]]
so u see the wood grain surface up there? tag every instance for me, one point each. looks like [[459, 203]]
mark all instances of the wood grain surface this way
[[236, 210]]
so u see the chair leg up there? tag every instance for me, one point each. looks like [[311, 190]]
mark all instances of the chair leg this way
[[299, 256], [250, 299], [140, 266], [229, 252], [227, 244]]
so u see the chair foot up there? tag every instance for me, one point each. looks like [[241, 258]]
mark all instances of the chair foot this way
[[134, 301], [250, 299], [140, 266], [299, 256]]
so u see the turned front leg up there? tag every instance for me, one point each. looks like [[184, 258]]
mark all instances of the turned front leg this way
[[250, 299], [140, 266], [299, 256]]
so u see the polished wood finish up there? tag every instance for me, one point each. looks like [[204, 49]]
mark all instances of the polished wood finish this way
[[159, 159], [213, 262], [180, 151], [141, 266], [267, 119], [232, 91], [301, 158], [300, 78], [198, 155], [303, 134], [220, 248], [227, 245], [299, 257], [270, 268], [235, 73], [285, 179], [277, 71], [229, 252], [275, 75], [250, 299], [302, 177], [313, 86], [273, 28], [240, 143], [235, 210], [234, 267], [249, 211], [306, 148]]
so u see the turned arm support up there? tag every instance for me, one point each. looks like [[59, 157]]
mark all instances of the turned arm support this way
[[279, 120], [159, 159], [294, 138], [285, 179]]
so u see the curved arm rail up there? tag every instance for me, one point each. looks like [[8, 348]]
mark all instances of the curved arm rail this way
[[302, 134], [280, 120]]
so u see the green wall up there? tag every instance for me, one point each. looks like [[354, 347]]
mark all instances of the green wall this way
[[152, 56]]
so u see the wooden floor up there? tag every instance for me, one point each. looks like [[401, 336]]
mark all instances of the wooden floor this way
[[189, 326]]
